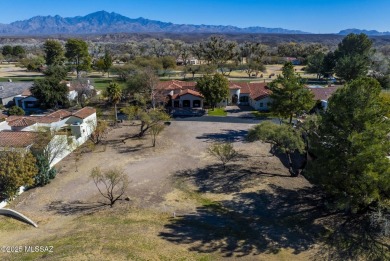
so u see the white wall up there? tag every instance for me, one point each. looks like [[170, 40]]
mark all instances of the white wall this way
[[72, 95], [4, 126], [191, 98], [265, 102], [61, 146], [82, 128]]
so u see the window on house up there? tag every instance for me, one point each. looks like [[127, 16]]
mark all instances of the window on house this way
[[244, 99], [261, 104]]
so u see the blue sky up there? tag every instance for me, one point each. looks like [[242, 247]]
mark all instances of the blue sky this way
[[316, 16]]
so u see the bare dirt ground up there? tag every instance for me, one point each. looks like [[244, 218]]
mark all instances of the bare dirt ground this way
[[178, 177]]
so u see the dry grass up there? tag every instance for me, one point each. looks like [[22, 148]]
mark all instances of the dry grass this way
[[121, 234], [211, 211]]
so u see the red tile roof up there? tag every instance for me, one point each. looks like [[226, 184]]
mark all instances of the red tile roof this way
[[44, 119], [20, 121], [245, 88], [16, 139], [24, 121], [323, 94], [60, 114], [84, 112], [234, 85], [175, 85], [258, 90], [191, 92]]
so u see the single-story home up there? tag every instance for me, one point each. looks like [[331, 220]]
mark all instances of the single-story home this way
[[19, 140], [322, 94], [187, 99], [79, 124], [10, 90], [27, 101], [185, 94]]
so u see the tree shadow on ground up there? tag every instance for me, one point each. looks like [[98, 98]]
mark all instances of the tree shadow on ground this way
[[129, 149], [252, 223], [74, 207], [224, 136], [233, 178], [296, 158], [357, 237]]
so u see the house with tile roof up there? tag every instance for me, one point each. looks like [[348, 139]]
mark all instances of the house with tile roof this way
[[180, 94], [79, 124], [28, 102], [22, 140], [322, 94], [184, 94], [254, 94]]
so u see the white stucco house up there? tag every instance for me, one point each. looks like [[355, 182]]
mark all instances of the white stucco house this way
[[70, 128]]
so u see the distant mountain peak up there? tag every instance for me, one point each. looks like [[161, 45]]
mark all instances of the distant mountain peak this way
[[102, 22], [359, 31]]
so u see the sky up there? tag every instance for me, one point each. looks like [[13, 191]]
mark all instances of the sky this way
[[314, 16]]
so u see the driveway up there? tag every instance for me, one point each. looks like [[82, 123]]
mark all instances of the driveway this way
[[239, 111]]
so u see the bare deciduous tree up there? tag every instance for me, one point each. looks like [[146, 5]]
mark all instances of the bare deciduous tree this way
[[84, 90], [224, 152], [99, 131], [155, 130], [111, 183], [52, 144]]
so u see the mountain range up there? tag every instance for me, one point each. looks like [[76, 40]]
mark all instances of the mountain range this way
[[359, 31], [103, 22]]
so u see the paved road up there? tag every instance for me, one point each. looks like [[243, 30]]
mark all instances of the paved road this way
[[227, 119]]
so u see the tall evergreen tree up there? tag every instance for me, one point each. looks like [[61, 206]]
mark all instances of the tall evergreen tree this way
[[351, 146], [77, 54], [50, 92], [54, 52], [352, 57], [45, 173], [289, 95]]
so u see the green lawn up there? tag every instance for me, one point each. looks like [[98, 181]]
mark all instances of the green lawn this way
[[217, 112], [261, 114]]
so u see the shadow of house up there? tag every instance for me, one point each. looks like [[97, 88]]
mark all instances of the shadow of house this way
[[252, 223]]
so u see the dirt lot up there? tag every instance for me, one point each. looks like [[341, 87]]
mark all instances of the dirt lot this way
[[183, 204]]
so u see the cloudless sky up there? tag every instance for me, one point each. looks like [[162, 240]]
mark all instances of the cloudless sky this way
[[315, 16]]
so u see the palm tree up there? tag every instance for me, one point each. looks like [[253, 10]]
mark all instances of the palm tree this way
[[114, 94]]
